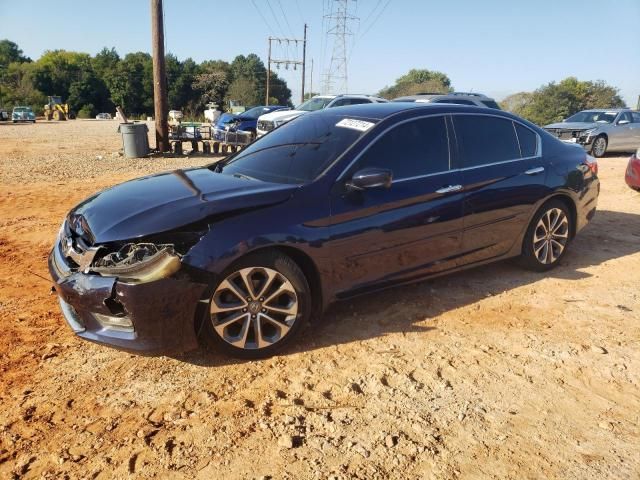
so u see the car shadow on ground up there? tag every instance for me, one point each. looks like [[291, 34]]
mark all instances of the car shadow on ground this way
[[404, 309]]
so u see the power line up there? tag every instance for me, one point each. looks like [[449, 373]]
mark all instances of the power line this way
[[377, 18], [276, 19], [286, 20], [264, 19]]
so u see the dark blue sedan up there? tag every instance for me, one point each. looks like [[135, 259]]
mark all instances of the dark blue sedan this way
[[336, 203], [247, 121]]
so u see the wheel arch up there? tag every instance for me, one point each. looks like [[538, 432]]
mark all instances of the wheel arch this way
[[301, 259], [571, 206]]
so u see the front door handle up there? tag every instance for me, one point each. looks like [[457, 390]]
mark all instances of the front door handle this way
[[535, 171], [449, 189]]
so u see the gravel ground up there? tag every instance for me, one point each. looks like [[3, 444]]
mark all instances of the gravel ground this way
[[79, 149], [491, 373]]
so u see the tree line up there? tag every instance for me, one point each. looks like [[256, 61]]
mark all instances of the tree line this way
[[550, 103], [92, 84]]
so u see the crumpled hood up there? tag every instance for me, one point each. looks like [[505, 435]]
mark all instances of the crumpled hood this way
[[573, 125], [163, 202]]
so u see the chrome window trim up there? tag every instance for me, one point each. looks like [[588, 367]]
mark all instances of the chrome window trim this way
[[538, 153]]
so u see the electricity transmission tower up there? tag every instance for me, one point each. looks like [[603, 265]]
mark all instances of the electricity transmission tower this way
[[336, 79]]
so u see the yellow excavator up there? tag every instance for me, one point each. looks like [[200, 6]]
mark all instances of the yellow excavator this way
[[57, 110]]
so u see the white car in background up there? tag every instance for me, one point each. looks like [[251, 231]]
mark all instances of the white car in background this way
[[272, 120]]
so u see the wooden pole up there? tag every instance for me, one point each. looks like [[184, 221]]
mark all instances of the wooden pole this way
[[304, 60], [311, 80], [266, 102], [160, 102]]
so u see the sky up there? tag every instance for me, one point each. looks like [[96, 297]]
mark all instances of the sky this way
[[496, 47]]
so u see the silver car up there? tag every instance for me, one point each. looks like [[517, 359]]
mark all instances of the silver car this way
[[600, 130]]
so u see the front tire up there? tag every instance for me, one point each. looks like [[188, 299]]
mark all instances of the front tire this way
[[599, 147], [547, 237], [260, 306]]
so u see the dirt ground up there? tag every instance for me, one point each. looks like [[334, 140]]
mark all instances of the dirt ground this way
[[492, 373]]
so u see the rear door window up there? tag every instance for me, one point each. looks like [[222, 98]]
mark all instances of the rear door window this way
[[484, 139], [625, 116], [416, 148]]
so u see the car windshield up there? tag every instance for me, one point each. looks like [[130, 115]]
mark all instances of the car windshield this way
[[314, 104], [593, 117], [296, 152], [22, 109]]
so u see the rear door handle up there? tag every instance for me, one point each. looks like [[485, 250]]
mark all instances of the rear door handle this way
[[535, 171], [449, 189]]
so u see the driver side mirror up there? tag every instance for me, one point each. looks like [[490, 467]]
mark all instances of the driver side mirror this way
[[370, 178], [623, 122]]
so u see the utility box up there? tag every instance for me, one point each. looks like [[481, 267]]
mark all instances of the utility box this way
[[135, 140]]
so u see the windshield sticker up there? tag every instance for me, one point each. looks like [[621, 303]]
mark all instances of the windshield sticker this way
[[359, 125]]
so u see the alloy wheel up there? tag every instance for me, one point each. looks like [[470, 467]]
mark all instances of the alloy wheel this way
[[599, 146], [254, 308], [550, 236]]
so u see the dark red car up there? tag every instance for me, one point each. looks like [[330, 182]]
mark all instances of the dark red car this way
[[632, 176]]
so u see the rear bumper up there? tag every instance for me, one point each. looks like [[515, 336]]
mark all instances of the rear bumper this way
[[587, 203], [162, 313]]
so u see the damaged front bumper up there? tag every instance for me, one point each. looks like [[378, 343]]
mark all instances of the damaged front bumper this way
[[154, 317]]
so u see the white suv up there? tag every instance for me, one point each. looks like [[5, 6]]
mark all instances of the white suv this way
[[272, 120]]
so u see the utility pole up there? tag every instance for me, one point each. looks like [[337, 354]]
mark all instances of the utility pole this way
[[160, 102], [304, 60], [311, 79], [286, 61], [266, 102]]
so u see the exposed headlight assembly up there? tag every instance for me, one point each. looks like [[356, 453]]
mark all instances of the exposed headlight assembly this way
[[139, 262], [588, 133]]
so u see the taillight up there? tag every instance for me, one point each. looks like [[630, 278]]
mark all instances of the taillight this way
[[592, 164]]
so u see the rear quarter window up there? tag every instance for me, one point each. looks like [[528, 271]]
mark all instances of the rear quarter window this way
[[528, 140], [485, 139]]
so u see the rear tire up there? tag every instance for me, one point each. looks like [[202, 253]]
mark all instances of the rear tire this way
[[599, 147], [259, 322], [547, 237]]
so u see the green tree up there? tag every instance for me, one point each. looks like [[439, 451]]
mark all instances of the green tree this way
[[180, 79], [418, 81], [56, 70], [516, 102], [105, 62], [10, 53], [556, 101], [131, 85], [18, 87]]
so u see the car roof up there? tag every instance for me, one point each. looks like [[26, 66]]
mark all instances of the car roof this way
[[607, 110], [432, 96], [380, 111]]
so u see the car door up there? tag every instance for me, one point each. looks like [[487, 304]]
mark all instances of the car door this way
[[386, 235], [503, 176], [620, 135]]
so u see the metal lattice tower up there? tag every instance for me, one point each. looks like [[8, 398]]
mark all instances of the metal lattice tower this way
[[336, 78]]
